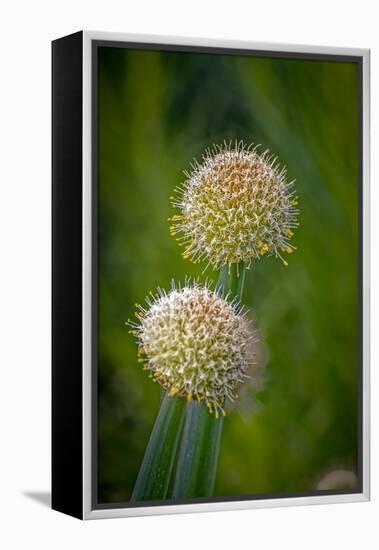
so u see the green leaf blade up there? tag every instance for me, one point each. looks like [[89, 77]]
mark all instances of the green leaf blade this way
[[156, 469], [198, 455]]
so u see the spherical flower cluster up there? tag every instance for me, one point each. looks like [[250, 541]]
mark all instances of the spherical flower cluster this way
[[235, 206], [196, 343]]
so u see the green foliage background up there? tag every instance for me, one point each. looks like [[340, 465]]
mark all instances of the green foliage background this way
[[158, 110]]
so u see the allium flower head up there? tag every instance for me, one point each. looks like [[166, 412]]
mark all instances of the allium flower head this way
[[196, 343], [235, 206]]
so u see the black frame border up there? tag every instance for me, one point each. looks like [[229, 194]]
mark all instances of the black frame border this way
[[67, 270]]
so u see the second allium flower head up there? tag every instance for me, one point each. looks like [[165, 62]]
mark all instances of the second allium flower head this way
[[196, 343], [234, 207]]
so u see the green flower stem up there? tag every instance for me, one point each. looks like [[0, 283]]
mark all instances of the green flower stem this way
[[196, 467], [232, 279], [241, 281], [198, 454], [157, 465]]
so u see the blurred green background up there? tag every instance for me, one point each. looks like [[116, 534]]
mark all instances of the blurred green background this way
[[158, 110]]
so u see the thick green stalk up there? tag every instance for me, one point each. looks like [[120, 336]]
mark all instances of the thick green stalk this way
[[157, 465], [196, 467], [198, 454]]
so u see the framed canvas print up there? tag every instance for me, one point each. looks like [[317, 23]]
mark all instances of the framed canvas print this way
[[210, 275]]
